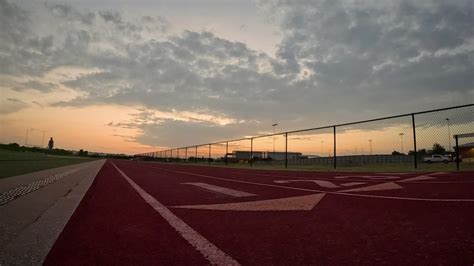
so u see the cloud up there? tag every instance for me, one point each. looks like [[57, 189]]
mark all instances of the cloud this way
[[34, 85], [38, 104], [11, 105], [115, 18], [379, 49], [156, 23], [193, 71], [67, 12], [174, 133]]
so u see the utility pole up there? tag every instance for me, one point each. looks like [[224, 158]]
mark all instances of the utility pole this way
[[42, 141], [370, 146], [449, 136], [322, 141], [26, 138]]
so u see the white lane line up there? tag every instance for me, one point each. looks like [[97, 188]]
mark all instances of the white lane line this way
[[394, 173], [222, 190], [300, 177], [350, 184], [439, 173], [373, 177], [418, 178], [383, 186], [365, 180], [211, 252], [315, 190], [321, 183], [299, 203]]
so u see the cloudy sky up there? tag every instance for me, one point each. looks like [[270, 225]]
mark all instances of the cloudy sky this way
[[134, 76]]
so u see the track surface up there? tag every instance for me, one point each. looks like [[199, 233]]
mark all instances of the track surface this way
[[288, 218]]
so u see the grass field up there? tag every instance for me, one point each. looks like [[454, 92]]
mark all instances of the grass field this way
[[16, 163]]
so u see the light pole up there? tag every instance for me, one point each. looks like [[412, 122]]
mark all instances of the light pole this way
[[274, 125], [26, 138], [370, 146], [42, 141], [449, 136], [401, 140]]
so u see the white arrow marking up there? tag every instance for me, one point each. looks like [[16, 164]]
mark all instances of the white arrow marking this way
[[321, 183], [418, 178], [300, 203], [383, 186], [222, 190], [350, 184]]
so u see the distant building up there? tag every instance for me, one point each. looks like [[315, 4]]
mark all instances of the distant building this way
[[466, 151], [245, 155], [281, 155]]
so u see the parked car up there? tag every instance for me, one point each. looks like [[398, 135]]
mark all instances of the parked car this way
[[437, 158]]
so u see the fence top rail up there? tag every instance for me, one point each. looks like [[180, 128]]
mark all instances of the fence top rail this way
[[326, 127], [466, 135]]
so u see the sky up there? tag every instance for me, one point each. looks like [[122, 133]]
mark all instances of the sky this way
[[138, 76]]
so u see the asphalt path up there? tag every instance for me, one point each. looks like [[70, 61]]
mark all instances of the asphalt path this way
[[151, 213], [35, 207]]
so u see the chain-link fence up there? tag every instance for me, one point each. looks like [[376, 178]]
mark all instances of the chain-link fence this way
[[424, 140]]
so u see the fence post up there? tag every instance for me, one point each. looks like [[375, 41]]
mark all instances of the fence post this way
[[209, 157], [196, 156], [457, 152], [251, 152], [226, 152], [286, 150], [414, 139], [334, 156]]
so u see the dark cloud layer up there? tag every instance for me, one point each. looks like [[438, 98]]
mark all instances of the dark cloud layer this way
[[338, 61], [380, 48]]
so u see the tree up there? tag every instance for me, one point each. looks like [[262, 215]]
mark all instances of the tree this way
[[14, 146], [396, 153], [419, 154], [83, 153], [437, 149]]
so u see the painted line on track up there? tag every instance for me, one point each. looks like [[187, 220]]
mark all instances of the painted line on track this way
[[315, 190], [299, 203], [382, 186], [222, 190], [321, 183], [362, 180], [211, 252], [350, 184]]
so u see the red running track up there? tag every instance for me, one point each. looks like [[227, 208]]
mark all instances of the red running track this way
[[416, 218]]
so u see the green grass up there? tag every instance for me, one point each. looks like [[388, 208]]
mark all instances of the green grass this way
[[402, 167], [16, 163]]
